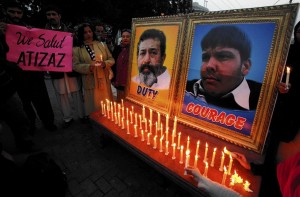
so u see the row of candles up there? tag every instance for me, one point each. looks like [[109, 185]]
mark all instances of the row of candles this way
[[116, 112]]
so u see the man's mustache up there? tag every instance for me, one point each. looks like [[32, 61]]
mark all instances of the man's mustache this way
[[147, 66]]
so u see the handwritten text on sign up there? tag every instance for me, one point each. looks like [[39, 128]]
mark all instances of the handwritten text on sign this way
[[39, 49]]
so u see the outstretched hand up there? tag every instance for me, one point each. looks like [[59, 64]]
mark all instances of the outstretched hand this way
[[213, 188], [283, 88], [242, 160]]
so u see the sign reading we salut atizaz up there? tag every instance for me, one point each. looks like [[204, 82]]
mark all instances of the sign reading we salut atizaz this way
[[39, 49]]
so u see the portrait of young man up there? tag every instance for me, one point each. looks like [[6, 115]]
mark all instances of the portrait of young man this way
[[226, 71]]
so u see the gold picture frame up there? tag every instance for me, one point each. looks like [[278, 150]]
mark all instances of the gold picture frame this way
[[269, 30], [160, 97]]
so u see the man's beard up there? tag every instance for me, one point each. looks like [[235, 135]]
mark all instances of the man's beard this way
[[148, 77]]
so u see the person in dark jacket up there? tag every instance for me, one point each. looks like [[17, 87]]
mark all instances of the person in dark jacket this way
[[121, 55], [31, 85], [284, 126], [11, 108]]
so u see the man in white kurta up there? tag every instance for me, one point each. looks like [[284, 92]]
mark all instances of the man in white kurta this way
[[67, 86]]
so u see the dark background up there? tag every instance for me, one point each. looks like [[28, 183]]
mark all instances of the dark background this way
[[116, 13]]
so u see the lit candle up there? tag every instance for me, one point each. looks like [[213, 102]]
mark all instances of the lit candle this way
[[115, 106], [140, 121], [119, 119], [161, 129], [107, 103], [196, 161], [160, 144], [101, 59], [205, 154], [154, 142], [167, 120], [122, 101], [178, 142], [238, 179], [167, 134], [127, 125], [173, 136], [148, 138], [119, 108], [123, 126], [135, 118], [224, 175], [132, 109], [288, 71], [228, 152], [135, 131], [146, 127], [102, 109], [222, 162], [158, 119], [167, 148], [232, 181], [187, 158], [150, 115], [108, 113], [174, 152], [156, 128], [123, 115], [116, 118], [230, 165], [197, 148], [188, 143], [206, 169], [143, 113], [175, 125], [246, 186], [143, 136], [112, 111], [127, 118], [212, 163], [181, 155]]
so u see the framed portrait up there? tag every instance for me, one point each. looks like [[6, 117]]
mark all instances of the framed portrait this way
[[154, 61], [232, 65]]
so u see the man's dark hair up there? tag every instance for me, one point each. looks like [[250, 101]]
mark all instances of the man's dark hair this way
[[228, 36], [52, 7], [154, 33]]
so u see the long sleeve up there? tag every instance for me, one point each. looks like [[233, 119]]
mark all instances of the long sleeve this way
[[79, 64]]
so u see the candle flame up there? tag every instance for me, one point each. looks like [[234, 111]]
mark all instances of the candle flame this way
[[187, 152]]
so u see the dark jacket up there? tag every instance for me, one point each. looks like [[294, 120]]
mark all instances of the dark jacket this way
[[7, 85]]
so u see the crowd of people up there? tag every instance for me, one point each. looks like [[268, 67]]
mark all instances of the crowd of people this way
[[78, 92]]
